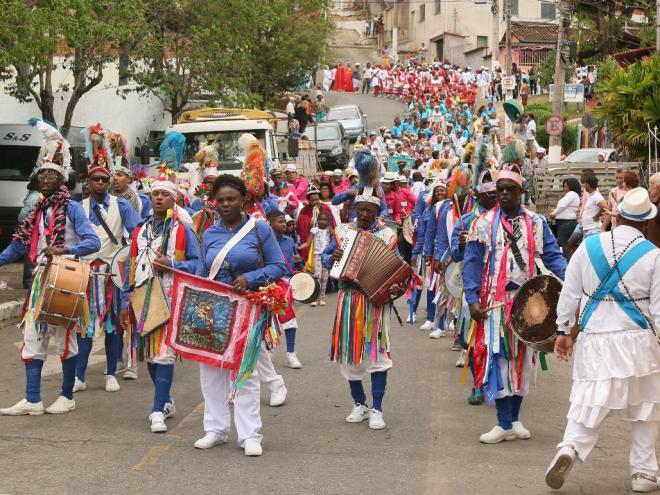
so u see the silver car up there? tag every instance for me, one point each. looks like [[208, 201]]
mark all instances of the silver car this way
[[590, 155], [351, 117]]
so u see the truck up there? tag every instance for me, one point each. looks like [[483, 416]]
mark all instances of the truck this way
[[19, 150]]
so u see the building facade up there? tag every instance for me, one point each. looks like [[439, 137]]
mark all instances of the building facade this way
[[463, 32]]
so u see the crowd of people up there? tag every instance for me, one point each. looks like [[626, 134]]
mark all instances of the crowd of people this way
[[437, 189]]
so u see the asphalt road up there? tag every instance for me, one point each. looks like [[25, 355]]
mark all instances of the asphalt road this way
[[430, 445]]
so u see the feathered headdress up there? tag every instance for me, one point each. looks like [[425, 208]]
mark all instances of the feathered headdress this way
[[484, 158], [460, 180], [168, 183], [514, 152], [368, 169], [119, 153], [254, 168], [54, 153], [171, 150]]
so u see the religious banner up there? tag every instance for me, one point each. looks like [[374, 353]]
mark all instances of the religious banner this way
[[394, 161]]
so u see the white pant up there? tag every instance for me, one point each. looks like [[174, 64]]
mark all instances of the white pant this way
[[35, 344], [215, 384], [353, 372], [266, 370], [642, 448]]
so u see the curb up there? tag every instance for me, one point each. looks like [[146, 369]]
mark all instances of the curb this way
[[10, 309]]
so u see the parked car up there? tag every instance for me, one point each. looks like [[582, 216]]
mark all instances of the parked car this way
[[590, 155], [332, 144], [351, 117]]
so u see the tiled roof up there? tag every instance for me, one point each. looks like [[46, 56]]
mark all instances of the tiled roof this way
[[533, 32]]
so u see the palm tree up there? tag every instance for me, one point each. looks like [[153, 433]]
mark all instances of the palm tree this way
[[630, 101]]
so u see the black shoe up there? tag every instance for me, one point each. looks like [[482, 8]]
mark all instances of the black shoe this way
[[476, 398]]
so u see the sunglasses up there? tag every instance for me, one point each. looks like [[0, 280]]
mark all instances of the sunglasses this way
[[100, 178], [48, 177], [506, 188]]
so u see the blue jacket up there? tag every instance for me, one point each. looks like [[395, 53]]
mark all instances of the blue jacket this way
[[88, 242], [244, 258]]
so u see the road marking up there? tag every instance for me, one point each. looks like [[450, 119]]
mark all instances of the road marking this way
[[152, 456], [53, 364]]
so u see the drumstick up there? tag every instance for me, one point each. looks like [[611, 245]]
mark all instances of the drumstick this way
[[494, 306], [460, 212]]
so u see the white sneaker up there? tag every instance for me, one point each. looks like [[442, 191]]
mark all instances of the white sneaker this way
[[314, 304], [521, 432], [437, 333], [24, 407], [451, 327], [560, 467], [643, 483], [130, 374], [497, 435], [211, 439], [111, 384], [61, 405], [252, 447], [322, 303], [376, 421], [169, 409], [460, 362], [157, 420], [278, 397], [293, 361], [79, 386], [121, 365], [359, 413], [427, 325]]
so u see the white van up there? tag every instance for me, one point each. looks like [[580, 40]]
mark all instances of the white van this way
[[224, 130], [19, 149]]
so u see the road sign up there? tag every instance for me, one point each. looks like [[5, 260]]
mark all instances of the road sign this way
[[554, 126], [509, 83], [573, 93]]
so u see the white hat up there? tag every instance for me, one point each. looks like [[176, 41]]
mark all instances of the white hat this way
[[540, 149], [601, 153], [389, 177], [402, 178], [291, 167], [288, 218], [337, 172], [636, 206]]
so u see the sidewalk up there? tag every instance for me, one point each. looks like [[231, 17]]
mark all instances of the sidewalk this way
[[13, 296]]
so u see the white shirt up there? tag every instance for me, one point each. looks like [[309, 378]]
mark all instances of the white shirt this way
[[590, 210], [368, 73], [568, 206], [531, 126], [643, 280], [290, 108], [417, 188]]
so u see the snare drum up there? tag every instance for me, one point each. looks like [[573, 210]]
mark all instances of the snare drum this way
[[305, 287], [62, 291]]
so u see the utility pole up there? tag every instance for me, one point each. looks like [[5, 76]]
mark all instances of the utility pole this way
[[554, 151], [508, 125], [657, 26], [395, 33], [495, 42]]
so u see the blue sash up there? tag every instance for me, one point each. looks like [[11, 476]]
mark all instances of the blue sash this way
[[610, 277]]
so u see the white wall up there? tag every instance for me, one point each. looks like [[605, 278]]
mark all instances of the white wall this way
[[133, 116]]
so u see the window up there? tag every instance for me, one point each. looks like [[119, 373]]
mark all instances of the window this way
[[514, 7], [437, 7], [548, 10], [482, 41], [422, 12]]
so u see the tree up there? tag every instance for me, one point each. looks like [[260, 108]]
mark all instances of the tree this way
[[289, 42], [190, 49], [630, 100], [41, 40]]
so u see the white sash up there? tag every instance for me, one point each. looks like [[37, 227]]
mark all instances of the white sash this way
[[220, 258]]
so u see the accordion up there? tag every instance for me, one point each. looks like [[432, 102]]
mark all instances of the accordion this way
[[371, 265]]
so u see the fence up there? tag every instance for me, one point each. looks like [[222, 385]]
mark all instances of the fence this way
[[549, 185]]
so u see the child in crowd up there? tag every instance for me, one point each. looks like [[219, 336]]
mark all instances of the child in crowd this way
[[288, 321], [321, 235]]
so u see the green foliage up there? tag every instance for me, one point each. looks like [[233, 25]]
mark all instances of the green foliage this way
[[542, 111], [41, 37], [546, 70], [630, 100]]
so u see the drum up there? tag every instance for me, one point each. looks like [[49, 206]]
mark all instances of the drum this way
[[305, 287], [534, 313], [454, 279], [118, 266], [408, 229], [158, 311], [62, 291]]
